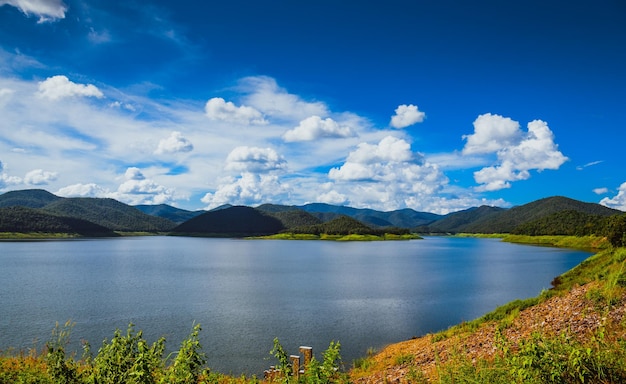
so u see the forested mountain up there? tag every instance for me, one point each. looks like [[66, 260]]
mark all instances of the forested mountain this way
[[458, 222], [168, 212], [569, 223], [552, 215], [404, 218], [109, 213], [28, 220], [294, 218], [31, 198], [237, 221], [497, 220]]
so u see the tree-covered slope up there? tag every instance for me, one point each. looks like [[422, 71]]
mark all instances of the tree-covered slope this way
[[404, 218], [237, 221], [295, 218], [168, 212], [458, 222], [109, 213], [29, 220], [30, 198], [506, 221]]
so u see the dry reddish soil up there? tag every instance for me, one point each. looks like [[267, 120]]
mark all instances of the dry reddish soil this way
[[574, 313]]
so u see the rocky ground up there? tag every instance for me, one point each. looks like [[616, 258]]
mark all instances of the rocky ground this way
[[574, 313]]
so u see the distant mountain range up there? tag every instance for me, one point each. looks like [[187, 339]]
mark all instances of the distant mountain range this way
[[110, 215]]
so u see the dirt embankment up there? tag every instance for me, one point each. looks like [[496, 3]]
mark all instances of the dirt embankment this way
[[573, 313]]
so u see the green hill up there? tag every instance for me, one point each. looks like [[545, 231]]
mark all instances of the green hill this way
[[109, 213], [168, 212], [295, 218], [237, 221], [404, 218], [30, 220], [497, 220], [458, 222], [343, 225], [30, 198]]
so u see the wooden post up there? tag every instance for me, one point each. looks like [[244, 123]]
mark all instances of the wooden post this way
[[295, 365], [307, 352]]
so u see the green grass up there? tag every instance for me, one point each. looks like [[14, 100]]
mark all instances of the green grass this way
[[36, 235], [353, 237]]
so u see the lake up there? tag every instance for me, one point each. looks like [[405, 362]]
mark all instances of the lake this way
[[245, 293]]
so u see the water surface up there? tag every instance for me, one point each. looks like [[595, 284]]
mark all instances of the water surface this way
[[246, 292]]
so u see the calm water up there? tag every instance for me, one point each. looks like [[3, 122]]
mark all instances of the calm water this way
[[246, 292]]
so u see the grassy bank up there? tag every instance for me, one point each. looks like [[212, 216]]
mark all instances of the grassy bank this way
[[572, 333], [353, 237]]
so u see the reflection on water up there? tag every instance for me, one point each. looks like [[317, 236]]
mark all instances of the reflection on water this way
[[246, 292]]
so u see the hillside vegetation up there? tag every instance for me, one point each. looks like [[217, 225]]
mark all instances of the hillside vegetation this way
[[175, 215], [30, 198], [108, 213], [235, 221], [33, 222]]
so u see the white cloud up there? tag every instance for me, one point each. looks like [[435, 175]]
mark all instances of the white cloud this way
[[219, 109], [47, 10], [82, 190], [173, 144], [265, 95], [248, 189], [59, 87], [39, 177], [333, 197], [618, 201], [134, 173], [387, 175], [7, 180], [138, 189], [315, 127], [600, 191], [518, 153], [5, 96], [407, 115], [100, 37], [591, 164], [491, 134], [255, 160]]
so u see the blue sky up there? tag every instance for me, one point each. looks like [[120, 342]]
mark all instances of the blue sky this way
[[436, 106]]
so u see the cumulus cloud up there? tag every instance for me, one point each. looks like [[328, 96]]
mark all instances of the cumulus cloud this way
[[265, 95], [491, 134], [47, 10], [407, 115], [517, 152], [314, 127], [386, 175], [134, 173], [254, 159], [39, 177], [173, 144], [7, 180], [138, 189], [247, 189], [59, 87], [219, 109], [618, 201], [82, 190]]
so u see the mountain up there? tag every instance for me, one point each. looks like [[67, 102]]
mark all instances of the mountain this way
[[237, 221], [294, 218], [459, 221], [109, 213], [30, 198], [28, 220], [403, 218], [505, 221], [342, 225], [168, 212]]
